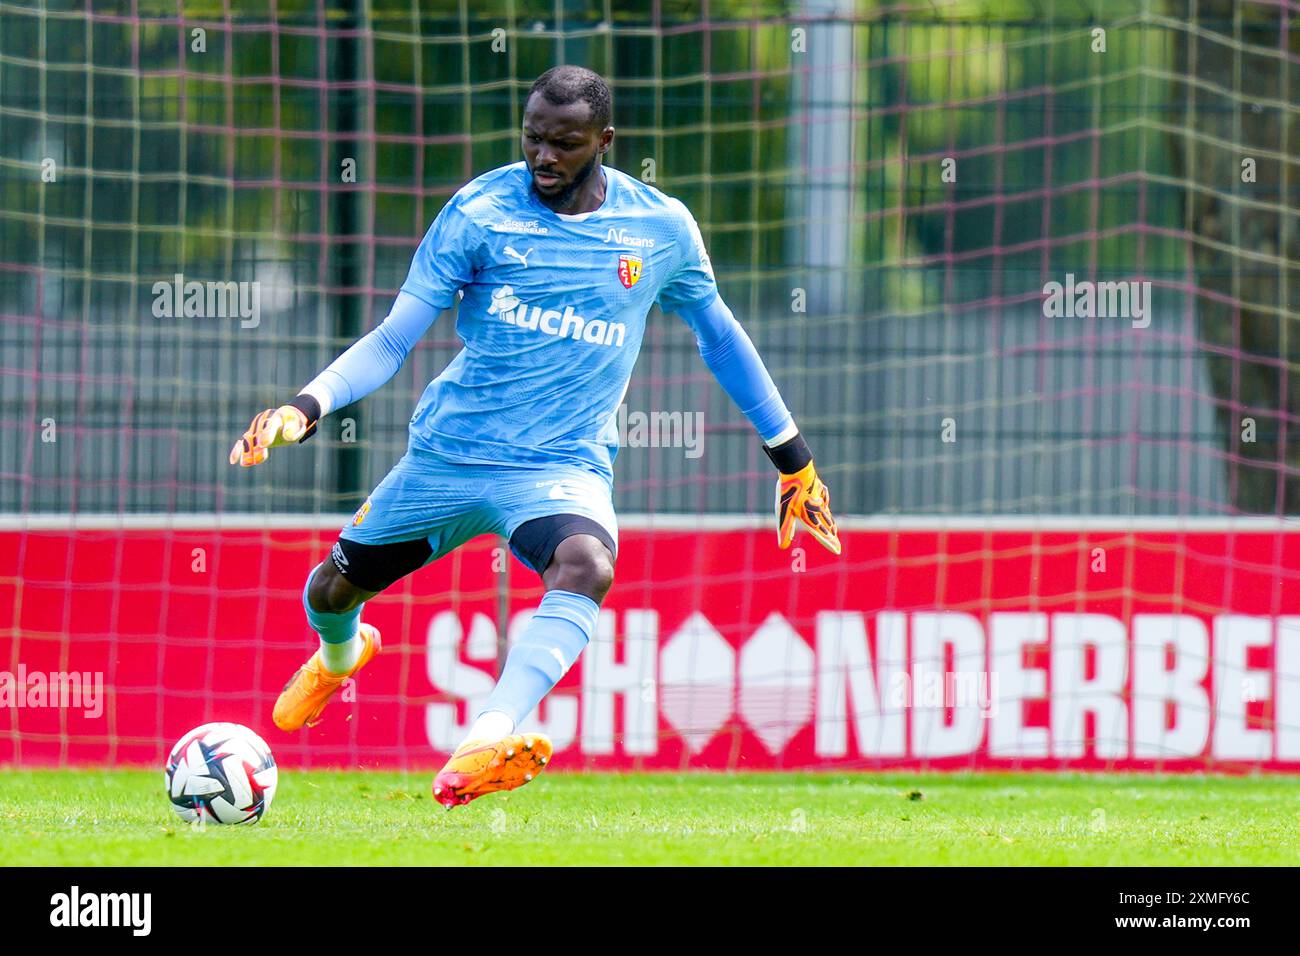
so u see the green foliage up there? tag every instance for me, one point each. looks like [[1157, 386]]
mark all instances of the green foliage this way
[[1050, 139], [1013, 90]]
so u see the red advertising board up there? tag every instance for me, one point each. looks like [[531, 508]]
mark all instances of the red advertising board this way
[[927, 647]]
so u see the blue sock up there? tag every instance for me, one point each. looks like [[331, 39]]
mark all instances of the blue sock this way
[[554, 638], [332, 628]]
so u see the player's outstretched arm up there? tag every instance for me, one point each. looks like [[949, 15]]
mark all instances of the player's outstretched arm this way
[[371, 361], [801, 496]]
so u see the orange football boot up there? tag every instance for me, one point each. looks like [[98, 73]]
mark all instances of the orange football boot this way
[[311, 688], [485, 766]]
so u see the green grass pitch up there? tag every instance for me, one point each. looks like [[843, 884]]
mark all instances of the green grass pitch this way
[[61, 817]]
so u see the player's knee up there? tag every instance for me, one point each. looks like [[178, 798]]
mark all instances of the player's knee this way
[[332, 593], [583, 565]]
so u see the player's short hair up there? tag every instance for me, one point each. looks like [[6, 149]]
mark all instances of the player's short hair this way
[[562, 85]]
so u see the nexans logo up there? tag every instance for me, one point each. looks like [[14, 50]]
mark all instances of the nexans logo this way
[[624, 238], [566, 325]]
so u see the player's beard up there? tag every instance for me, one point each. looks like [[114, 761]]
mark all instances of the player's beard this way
[[561, 199]]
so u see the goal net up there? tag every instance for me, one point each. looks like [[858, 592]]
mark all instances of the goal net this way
[[1021, 271]]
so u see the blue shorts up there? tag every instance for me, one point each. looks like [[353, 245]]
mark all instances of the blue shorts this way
[[448, 503]]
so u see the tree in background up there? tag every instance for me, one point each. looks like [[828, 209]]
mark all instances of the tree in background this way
[[1233, 135]]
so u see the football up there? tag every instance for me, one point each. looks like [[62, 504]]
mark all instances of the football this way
[[221, 773]]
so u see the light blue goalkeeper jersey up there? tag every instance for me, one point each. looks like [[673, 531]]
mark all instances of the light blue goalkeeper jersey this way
[[552, 315]]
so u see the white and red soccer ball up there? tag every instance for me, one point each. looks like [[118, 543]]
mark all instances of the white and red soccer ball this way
[[221, 773]]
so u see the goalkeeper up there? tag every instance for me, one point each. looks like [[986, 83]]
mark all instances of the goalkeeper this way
[[557, 261]]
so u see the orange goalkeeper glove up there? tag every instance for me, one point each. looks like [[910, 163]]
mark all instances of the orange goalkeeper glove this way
[[801, 496], [294, 422]]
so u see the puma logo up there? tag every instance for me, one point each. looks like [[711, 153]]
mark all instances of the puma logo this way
[[510, 251]]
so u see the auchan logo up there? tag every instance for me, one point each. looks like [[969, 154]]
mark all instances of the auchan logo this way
[[566, 325]]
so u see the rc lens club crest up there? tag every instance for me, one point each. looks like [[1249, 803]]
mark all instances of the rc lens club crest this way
[[629, 269]]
